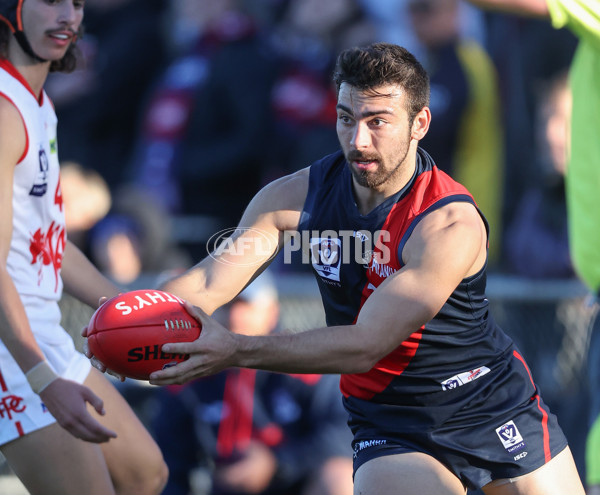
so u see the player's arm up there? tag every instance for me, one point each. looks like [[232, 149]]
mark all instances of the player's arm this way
[[535, 8], [15, 332], [218, 278], [64, 399], [83, 280], [446, 246]]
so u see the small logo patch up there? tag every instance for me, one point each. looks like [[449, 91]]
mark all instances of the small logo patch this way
[[326, 257], [463, 378], [510, 437], [365, 444]]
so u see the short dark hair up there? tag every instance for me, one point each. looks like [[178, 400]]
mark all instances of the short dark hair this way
[[66, 64], [380, 64]]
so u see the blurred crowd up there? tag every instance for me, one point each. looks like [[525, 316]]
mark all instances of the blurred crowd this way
[[185, 108], [180, 110]]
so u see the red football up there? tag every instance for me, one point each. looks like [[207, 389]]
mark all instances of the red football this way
[[127, 332]]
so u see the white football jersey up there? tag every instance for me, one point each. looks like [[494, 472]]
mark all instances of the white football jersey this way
[[39, 235]]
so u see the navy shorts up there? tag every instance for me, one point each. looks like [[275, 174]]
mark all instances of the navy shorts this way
[[489, 438]]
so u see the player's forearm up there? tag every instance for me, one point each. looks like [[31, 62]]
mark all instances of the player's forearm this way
[[535, 8], [340, 349], [194, 286], [83, 280]]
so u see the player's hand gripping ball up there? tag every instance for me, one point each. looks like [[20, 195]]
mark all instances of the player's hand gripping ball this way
[[127, 332]]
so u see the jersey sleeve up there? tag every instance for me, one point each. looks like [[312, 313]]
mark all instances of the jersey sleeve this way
[[580, 16]]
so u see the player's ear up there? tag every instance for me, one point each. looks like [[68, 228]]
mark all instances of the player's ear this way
[[420, 124]]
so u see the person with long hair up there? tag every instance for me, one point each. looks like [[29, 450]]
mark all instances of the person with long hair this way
[[64, 428]]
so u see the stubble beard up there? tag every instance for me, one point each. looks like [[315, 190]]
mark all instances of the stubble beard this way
[[374, 180]]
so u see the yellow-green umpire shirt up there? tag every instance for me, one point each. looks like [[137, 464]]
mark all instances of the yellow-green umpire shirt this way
[[583, 173]]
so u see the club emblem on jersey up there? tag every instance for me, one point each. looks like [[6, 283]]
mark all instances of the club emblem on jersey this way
[[47, 250], [40, 186], [326, 256], [510, 437]]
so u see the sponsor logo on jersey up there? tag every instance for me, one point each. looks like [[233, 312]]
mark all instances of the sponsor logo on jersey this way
[[463, 378], [510, 437], [382, 270], [40, 186]]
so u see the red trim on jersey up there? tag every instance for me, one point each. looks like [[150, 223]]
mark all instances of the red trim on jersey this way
[[3, 383], [24, 127], [8, 23], [11, 69], [522, 359], [20, 15], [429, 188], [367, 385], [19, 428], [545, 432]]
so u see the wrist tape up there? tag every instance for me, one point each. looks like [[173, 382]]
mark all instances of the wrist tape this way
[[40, 376]]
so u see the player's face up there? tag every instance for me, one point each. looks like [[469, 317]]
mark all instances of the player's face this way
[[374, 132], [51, 25]]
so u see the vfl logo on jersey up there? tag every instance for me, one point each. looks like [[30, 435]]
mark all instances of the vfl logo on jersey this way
[[462, 378], [40, 186], [510, 437], [326, 257]]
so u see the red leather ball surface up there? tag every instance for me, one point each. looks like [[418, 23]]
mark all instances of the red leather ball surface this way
[[127, 332]]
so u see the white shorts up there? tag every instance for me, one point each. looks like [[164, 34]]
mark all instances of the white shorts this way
[[21, 410]]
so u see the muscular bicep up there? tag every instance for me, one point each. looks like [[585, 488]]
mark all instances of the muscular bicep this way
[[447, 246], [237, 256], [12, 146]]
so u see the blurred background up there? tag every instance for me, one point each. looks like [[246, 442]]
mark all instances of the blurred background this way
[[180, 110]]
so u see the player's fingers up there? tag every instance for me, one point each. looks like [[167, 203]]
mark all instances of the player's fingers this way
[[97, 364], [91, 430], [96, 402], [195, 311], [84, 332], [90, 426], [178, 374], [180, 347], [121, 378]]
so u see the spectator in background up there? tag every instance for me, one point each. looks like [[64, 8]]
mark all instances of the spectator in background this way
[[526, 52], [87, 200], [133, 242], [306, 38], [202, 139], [99, 106], [537, 243], [64, 429], [465, 135], [254, 431]]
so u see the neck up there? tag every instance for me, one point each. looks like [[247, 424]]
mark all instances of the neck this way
[[34, 71], [369, 198]]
